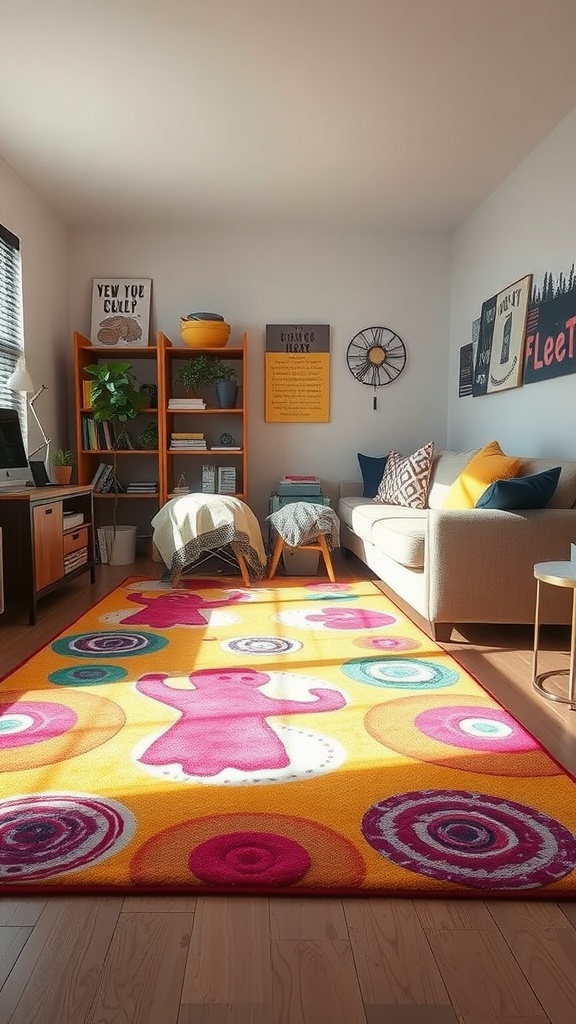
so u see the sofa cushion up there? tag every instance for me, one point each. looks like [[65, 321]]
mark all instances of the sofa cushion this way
[[406, 478], [361, 515], [401, 539], [521, 492], [372, 469], [488, 465]]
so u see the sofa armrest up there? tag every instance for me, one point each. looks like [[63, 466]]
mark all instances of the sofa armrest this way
[[350, 489], [479, 563]]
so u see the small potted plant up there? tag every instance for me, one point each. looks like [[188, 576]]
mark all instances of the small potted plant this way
[[225, 382], [196, 373], [62, 462]]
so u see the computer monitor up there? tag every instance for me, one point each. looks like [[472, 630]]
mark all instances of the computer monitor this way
[[14, 469]]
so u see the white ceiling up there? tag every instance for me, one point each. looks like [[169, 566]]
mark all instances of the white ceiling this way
[[384, 113]]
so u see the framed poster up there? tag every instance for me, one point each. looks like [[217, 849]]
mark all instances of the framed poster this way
[[500, 355], [551, 328], [465, 376], [297, 373], [120, 311]]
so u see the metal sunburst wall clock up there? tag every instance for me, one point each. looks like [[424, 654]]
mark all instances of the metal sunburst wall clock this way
[[376, 356]]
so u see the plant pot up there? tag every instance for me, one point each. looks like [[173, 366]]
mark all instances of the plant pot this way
[[226, 393], [62, 474]]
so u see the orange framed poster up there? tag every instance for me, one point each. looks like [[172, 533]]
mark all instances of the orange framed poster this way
[[297, 373]]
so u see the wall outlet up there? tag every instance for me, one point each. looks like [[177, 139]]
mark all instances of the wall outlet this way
[[573, 552]]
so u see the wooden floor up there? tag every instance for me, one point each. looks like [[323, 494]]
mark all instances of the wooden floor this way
[[243, 960]]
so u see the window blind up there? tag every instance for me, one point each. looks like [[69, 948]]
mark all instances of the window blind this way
[[11, 333]]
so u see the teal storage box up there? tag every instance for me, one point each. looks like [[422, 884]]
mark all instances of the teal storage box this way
[[278, 501], [299, 490]]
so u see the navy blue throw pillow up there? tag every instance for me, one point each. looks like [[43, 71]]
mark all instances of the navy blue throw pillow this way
[[372, 469], [521, 491]]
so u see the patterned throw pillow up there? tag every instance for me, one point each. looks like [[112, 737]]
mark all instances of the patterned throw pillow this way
[[406, 478]]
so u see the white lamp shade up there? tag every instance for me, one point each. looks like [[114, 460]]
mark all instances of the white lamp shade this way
[[20, 380]]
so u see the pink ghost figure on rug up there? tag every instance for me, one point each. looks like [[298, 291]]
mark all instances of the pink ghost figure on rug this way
[[223, 723], [176, 609], [351, 618]]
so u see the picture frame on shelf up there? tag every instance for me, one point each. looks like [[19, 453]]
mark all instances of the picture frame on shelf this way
[[120, 312]]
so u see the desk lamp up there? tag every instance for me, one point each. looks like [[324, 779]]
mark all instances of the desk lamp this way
[[21, 381]]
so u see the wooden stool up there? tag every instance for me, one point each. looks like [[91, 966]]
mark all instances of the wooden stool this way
[[319, 545]]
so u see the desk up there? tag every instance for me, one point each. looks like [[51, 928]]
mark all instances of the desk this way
[[40, 555], [557, 574]]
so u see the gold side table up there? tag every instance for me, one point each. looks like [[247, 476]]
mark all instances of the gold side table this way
[[558, 574]]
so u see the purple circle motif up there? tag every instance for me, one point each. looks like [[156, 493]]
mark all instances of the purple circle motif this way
[[42, 836], [476, 728], [473, 840], [259, 858], [261, 645], [32, 721], [109, 644], [87, 675]]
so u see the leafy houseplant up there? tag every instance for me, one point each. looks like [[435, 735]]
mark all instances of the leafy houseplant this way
[[62, 462], [115, 399]]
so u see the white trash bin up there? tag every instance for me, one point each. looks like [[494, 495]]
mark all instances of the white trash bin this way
[[123, 550]]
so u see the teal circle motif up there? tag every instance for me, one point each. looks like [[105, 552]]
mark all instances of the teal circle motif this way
[[87, 675], [400, 673], [109, 644]]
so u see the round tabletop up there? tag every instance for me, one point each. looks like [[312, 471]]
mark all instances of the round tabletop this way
[[560, 574]]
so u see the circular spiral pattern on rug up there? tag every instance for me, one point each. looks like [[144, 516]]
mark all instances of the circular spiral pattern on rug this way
[[470, 839], [400, 673], [109, 644], [261, 645], [42, 836], [87, 675], [387, 643], [44, 731], [238, 857], [248, 851], [461, 732]]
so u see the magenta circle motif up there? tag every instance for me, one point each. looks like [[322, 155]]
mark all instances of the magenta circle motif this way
[[259, 858], [33, 721], [471, 839], [42, 836], [476, 728]]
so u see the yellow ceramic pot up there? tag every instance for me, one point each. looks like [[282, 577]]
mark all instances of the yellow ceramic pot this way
[[204, 333]]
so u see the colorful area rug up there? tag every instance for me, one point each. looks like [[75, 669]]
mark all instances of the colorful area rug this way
[[297, 738]]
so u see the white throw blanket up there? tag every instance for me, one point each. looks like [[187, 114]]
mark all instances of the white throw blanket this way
[[192, 524]]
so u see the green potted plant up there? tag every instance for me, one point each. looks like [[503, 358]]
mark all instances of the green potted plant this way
[[62, 462], [226, 383], [115, 399]]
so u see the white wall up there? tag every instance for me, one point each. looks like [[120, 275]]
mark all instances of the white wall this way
[[348, 280], [526, 226], [44, 250]]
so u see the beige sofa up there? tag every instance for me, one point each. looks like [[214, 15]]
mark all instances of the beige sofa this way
[[446, 567]]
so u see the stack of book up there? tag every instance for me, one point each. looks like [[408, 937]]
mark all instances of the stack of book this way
[[187, 441], [142, 487], [185, 404], [295, 486], [103, 479]]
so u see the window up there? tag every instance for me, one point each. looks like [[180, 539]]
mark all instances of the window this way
[[11, 334]]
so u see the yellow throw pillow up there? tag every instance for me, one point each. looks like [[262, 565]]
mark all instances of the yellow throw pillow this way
[[488, 465]]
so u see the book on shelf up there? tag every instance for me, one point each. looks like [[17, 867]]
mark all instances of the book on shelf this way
[[187, 435], [226, 479], [87, 394], [293, 478], [208, 479], [225, 448]]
